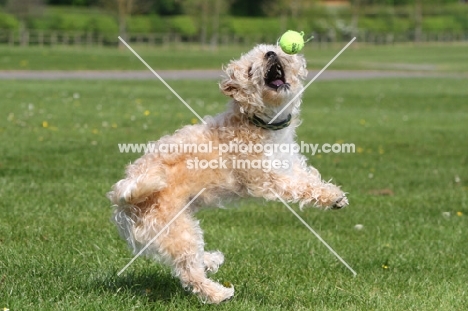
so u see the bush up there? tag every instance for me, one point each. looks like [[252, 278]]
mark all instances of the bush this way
[[158, 24], [441, 24], [102, 24], [8, 22], [40, 23], [321, 25], [75, 22], [60, 21], [139, 24], [183, 25], [400, 25], [374, 25], [71, 22], [251, 26]]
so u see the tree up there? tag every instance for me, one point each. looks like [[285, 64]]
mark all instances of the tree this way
[[73, 2], [208, 14], [355, 10], [418, 16], [248, 7], [24, 9], [123, 9], [293, 9]]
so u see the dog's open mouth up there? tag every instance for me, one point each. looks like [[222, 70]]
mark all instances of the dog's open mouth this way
[[275, 76]]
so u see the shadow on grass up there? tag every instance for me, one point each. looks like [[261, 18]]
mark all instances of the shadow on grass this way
[[154, 285]]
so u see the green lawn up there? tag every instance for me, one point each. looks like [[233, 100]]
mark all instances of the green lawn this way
[[59, 156], [424, 57]]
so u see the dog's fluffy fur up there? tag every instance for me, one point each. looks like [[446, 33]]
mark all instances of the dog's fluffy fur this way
[[159, 185]]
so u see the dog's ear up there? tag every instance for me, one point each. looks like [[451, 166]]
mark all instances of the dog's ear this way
[[302, 70], [229, 85], [236, 80]]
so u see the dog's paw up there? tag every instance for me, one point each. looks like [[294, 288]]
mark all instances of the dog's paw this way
[[211, 292], [340, 203], [222, 294], [212, 261]]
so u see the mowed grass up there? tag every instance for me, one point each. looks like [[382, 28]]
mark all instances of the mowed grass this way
[[407, 184], [422, 57]]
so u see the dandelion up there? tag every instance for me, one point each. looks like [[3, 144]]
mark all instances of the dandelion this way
[[459, 213], [194, 121], [362, 122], [95, 131], [147, 112], [384, 266], [45, 124], [114, 125], [360, 150]]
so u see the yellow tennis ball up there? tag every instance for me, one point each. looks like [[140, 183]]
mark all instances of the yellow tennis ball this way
[[292, 41]]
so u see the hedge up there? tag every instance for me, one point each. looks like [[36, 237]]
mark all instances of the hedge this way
[[8, 22], [377, 20]]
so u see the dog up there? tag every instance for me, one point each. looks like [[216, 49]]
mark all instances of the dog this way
[[159, 185]]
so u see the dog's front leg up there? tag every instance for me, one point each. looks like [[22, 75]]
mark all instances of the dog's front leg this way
[[302, 185]]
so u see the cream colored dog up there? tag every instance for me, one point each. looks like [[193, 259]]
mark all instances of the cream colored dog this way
[[160, 184]]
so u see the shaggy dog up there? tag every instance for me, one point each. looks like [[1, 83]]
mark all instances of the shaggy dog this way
[[160, 184]]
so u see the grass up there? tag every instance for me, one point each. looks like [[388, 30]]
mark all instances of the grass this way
[[424, 57], [58, 250]]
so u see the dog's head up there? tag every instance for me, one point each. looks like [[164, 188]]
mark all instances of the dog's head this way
[[264, 80]]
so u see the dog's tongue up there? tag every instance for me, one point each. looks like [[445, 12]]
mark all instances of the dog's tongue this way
[[277, 82]]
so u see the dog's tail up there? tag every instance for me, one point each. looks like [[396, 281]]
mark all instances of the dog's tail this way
[[143, 179]]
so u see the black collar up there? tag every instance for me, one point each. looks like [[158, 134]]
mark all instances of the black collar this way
[[273, 126]]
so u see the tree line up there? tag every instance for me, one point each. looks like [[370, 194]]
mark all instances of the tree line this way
[[209, 19], [233, 7]]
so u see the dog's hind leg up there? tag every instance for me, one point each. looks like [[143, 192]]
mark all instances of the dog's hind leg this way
[[183, 247]]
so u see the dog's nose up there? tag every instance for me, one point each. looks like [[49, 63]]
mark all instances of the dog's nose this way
[[270, 54]]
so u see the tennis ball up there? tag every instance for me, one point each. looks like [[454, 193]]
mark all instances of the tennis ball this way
[[292, 41]]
